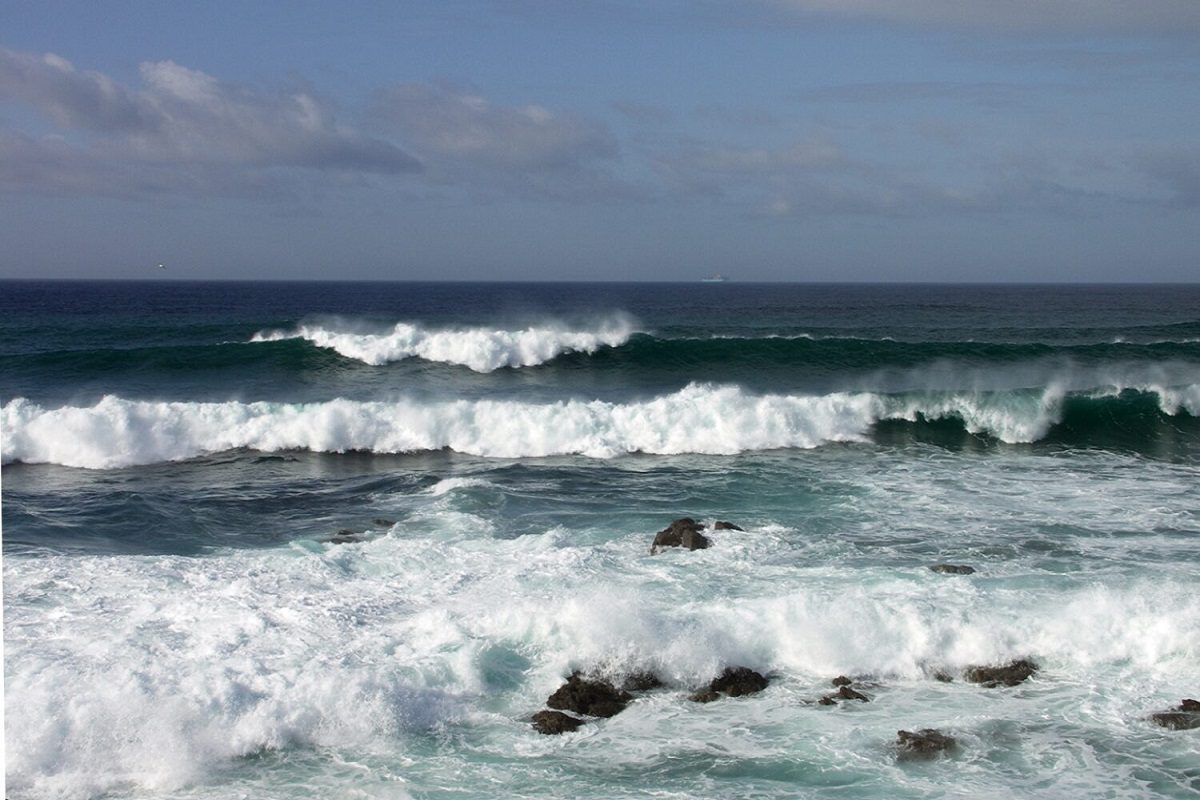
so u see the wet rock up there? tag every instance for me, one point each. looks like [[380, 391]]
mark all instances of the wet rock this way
[[1009, 674], [596, 698], [641, 682], [942, 676], [844, 692], [346, 536], [552, 722], [953, 569], [923, 744], [732, 682], [1184, 717], [683, 532], [841, 680], [381, 522], [727, 526]]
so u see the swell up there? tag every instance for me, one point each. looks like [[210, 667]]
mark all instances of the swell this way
[[647, 352], [702, 419]]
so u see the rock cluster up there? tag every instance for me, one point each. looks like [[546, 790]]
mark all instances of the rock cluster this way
[[1010, 674], [1184, 717], [923, 744], [685, 532], [732, 682], [844, 692]]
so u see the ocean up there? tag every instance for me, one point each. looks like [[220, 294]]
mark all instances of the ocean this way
[[313, 540]]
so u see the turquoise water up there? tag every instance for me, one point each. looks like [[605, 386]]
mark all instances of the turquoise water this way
[[178, 624]]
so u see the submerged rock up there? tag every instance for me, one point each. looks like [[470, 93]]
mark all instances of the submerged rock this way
[[732, 682], [346, 536], [381, 522], [683, 532], [727, 526], [1009, 674], [953, 569], [844, 692], [923, 744], [552, 722], [596, 698], [1184, 717]]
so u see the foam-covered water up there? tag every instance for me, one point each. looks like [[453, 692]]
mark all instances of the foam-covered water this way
[[180, 621]]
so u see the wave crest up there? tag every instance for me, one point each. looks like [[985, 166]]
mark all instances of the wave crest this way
[[482, 349], [703, 419]]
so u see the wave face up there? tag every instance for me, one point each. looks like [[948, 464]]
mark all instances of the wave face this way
[[706, 419], [481, 349]]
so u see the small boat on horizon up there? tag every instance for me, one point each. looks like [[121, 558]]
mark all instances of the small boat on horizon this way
[[716, 277]]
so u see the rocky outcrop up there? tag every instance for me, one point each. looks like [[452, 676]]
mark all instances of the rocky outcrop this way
[[641, 682], [683, 532], [553, 722], [923, 744], [732, 682], [1010, 674], [1184, 717], [593, 697], [726, 526], [953, 569]]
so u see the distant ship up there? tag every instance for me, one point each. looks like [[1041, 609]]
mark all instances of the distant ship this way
[[716, 277]]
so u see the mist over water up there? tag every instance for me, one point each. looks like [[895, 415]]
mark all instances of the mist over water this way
[[179, 622]]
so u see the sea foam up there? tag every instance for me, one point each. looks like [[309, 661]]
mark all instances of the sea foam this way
[[701, 418], [482, 349]]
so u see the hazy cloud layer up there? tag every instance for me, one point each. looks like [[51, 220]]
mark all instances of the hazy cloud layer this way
[[182, 129], [1051, 16]]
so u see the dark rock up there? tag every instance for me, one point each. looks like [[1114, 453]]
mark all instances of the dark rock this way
[[704, 696], [846, 693], [953, 569], [683, 532], [923, 744], [727, 526], [346, 536], [1184, 717], [737, 681], [380, 522], [551, 722], [942, 676], [827, 701], [641, 682], [1009, 674], [596, 698], [841, 680]]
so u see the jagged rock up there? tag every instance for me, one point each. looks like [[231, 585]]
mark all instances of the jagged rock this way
[[1184, 717], [596, 698], [683, 532], [727, 526], [641, 682], [733, 682], [942, 676], [841, 680], [1009, 674], [953, 569], [551, 722], [922, 744], [844, 692]]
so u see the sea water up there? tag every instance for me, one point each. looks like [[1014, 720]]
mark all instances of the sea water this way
[[181, 461]]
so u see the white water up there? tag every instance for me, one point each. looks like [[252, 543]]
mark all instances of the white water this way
[[698, 419], [481, 349]]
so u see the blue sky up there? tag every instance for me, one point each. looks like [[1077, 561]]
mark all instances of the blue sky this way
[[794, 140]]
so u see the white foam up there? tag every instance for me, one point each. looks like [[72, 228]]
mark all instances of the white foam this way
[[482, 349], [702, 419]]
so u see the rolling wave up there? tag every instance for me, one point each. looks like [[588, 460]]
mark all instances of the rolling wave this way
[[702, 419], [481, 349]]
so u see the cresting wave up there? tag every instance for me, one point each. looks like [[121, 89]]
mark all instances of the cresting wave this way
[[703, 419], [480, 348]]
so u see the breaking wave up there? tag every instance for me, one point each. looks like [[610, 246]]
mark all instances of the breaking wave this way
[[702, 418], [482, 349]]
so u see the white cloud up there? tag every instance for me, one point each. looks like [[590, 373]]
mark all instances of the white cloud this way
[[181, 126]]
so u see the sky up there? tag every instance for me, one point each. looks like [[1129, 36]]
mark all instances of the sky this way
[[601, 140]]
